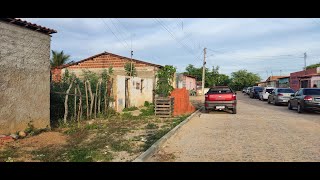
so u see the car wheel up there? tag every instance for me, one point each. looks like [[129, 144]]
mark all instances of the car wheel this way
[[234, 110], [299, 109], [289, 106], [275, 102]]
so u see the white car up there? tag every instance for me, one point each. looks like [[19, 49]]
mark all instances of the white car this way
[[265, 93]]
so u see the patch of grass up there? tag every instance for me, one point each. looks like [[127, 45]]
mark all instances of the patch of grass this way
[[8, 154], [147, 112], [121, 145], [151, 126], [151, 139], [127, 115], [92, 126], [31, 130], [81, 154], [130, 109]]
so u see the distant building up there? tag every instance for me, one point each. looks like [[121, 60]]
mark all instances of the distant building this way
[[284, 82], [262, 84], [305, 78], [273, 81], [140, 88], [187, 81]]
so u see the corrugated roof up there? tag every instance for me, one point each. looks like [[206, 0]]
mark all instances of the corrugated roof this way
[[106, 53], [28, 25]]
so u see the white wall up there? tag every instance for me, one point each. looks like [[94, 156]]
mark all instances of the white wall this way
[[137, 97]]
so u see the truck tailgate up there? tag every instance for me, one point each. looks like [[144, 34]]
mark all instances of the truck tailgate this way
[[220, 97]]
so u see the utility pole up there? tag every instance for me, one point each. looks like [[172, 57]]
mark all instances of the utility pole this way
[[305, 62], [203, 69], [131, 58]]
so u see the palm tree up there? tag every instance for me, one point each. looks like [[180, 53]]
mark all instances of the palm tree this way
[[58, 58]]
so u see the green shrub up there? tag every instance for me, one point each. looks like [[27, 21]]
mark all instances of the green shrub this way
[[147, 112], [147, 104]]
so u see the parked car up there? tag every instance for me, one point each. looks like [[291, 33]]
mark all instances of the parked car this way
[[265, 93], [244, 90], [280, 96], [254, 93], [248, 90], [305, 99], [221, 98]]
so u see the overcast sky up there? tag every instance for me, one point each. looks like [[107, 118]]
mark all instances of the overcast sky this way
[[262, 46]]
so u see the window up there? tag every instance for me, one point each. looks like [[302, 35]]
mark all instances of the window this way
[[299, 93], [219, 90], [312, 91], [285, 90], [269, 90]]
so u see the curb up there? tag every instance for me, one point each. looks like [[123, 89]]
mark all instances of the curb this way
[[162, 140]]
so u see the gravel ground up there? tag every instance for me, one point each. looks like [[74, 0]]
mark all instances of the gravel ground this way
[[258, 132]]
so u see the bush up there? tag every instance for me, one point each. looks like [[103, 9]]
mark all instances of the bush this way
[[147, 112], [147, 104]]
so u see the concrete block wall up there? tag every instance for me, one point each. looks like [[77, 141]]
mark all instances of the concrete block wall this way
[[24, 79]]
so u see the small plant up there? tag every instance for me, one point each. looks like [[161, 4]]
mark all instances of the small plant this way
[[130, 109], [147, 104], [151, 126], [147, 112]]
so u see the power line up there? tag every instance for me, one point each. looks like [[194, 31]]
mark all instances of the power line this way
[[115, 34], [182, 45], [118, 30]]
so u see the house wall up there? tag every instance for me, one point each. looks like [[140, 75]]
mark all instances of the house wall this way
[[190, 83], [315, 80], [24, 79], [295, 81], [136, 95]]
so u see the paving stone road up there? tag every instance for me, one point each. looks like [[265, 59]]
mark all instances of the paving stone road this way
[[259, 132]]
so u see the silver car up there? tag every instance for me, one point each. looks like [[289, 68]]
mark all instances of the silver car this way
[[280, 96]]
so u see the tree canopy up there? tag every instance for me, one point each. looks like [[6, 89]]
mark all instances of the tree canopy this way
[[59, 58], [212, 78], [313, 66], [243, 78]]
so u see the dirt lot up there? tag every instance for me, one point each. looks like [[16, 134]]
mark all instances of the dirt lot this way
[[258, 132], [120, 138]]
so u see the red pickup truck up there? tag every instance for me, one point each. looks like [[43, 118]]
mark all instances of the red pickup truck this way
[[221, 98]]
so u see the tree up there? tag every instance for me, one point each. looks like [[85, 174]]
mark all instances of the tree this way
[[212, 78], [243, 78], [313, 66], [165, 78], [59, 58], [193, 71], [130, 69]]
